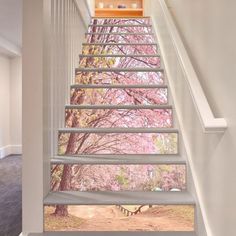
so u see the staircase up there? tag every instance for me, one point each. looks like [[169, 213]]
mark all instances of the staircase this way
[[119, 119]]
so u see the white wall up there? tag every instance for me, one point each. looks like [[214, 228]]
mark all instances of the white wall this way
[[16, 105], [10, 103], [208, 31], [5, 106]]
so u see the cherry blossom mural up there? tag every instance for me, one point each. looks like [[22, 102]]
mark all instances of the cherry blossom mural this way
[[124, 118], [133, 37], [119, 62], [119, 96], [118, 109], [121, 218], [121, 177], [95, 28], [120, 49], [120, 77], [117, 143], [106, 31]]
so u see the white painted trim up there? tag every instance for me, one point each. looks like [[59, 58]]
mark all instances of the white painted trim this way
[[10, 150], [5, 151], [90, 8], [10, 48], [165, 12], [84, 11], [16, 149], [209, 123], [25, 234]]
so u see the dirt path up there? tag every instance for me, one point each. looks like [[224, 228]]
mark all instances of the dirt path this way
[[109, 218], [91, 212]]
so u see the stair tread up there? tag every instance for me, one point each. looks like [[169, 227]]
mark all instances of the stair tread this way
[[118, 106], [119, 55], [118, 198], [121, 17], [121, 33], [120, 25], [136, 69], [112, 233], [133, 44], [118, 130], [119, 159], [118, 86]]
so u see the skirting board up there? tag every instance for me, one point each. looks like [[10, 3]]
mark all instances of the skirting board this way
[[25, 234], [10, 150]]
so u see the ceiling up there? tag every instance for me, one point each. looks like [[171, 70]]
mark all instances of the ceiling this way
[[11, 21]]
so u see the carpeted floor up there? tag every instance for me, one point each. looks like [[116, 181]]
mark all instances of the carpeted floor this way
[[10, 196]]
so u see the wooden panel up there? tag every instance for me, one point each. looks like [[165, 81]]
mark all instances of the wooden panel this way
[[118, 12]]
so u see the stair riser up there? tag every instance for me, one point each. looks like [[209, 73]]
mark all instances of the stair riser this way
[[120, 49], [119, 96], [119, 218], [123, 78], [127, 118], [120, 177], [120, 62], [118, 38], [117, 21], [119, 29], [71, 143]]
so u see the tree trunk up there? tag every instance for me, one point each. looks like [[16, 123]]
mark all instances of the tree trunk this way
[[62, 210], [65, 184]]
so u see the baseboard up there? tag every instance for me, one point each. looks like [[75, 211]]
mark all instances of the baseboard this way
[[10, 150], [16, 149], [21, 234]]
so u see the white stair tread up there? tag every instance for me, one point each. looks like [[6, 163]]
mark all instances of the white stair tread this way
[[106, 233], [136, 69], [119, 55], [118, 198], [118, 86], [120, 33], [121, 18], [119, 159], [120, 25], [118, 130], [132, 44], [118, 107]]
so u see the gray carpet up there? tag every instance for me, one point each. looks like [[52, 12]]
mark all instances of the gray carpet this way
[[10, 196]]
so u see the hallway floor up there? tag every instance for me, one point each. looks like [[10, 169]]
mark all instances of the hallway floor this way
[[10, 196]]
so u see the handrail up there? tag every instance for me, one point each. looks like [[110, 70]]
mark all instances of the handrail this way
[[84, 11], [210, 124], [88, 8]]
